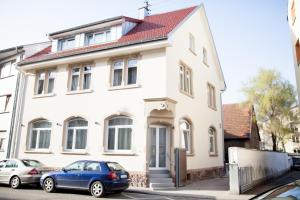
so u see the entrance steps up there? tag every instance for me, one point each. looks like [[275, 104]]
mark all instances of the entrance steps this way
[[161, 180]]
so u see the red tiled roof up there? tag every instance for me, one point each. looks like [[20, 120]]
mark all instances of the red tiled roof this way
[[42, 52], [237, 121], [152, 28]]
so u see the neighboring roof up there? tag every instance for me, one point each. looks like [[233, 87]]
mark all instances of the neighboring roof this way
[[95, 23], [152, 28], [237, 119], [5, 53]]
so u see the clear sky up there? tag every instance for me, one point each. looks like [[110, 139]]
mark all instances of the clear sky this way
[[249, 34]]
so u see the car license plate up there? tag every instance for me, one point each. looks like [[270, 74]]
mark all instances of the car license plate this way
[[124, 176]]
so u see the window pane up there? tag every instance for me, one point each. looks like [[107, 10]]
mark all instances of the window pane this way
[[44, 139], [70, 139], [70, 43], [111, 139], [33, 139], [132, 72], [92, 166], [120, 121], [124, 138], [211, 144], [89, 39], [162, 147], [132, 63], [6, 70], [50, 85], [186, 140], [74, 83], [40, 86], [80, 138], [153, 147], [41, 124], [117, 78], [99, 38], [108, 36], [77, 123], [118, 64], [86, 81], [76, 166]]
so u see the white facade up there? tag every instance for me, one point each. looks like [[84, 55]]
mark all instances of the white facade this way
[[9, 86], [154, 103], [294, 23]]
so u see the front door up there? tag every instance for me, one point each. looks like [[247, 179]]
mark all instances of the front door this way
[[158, 147]]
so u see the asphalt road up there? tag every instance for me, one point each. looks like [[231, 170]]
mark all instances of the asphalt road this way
[[34, 193]]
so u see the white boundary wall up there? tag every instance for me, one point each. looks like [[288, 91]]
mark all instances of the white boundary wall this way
[[249, 167]]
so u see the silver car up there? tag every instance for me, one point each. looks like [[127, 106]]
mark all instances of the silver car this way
[[21, 171]]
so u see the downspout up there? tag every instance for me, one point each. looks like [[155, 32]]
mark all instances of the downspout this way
[[12, 123]]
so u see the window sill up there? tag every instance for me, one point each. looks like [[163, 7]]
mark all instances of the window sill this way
[[38, 151], [124, 87], [119, 153], [2, 150], [190, 154], [205, 64], [43, 95], [213, 155], [84, 152], [187, 94], [6, 112], [213, 108], [193, 52], [6, 77], [79, 92]]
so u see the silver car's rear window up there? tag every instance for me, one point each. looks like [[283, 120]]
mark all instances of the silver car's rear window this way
[[32, 163]]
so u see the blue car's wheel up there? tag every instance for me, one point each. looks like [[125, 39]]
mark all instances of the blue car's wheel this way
[[49, 185], [97, 189]]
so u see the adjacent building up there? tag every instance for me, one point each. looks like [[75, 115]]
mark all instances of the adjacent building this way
[[240, 127], [128, 90], [294, 23], [9, 91]]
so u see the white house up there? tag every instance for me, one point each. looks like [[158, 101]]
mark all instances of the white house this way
[[294, 23], [128, 90], [9, 90]]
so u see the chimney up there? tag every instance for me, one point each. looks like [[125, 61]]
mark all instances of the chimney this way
[[144, 11]]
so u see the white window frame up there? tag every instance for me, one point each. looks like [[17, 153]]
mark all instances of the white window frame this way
[[124, 67], [105, 39], [2, 144], [45, 79], [211, 96], [204, 58], [117, 127], [212, 133], [61, 41], [8, 66], [185, 84], [80, 74], [36, 148], [74, 134], [188, 131], [192, 45]]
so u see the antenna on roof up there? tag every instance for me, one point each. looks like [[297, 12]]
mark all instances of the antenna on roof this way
[[145, 10]]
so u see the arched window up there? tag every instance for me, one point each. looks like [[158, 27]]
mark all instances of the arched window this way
[[76, 134], [185, 128], [119, 133], [212, 141], [40, 134]]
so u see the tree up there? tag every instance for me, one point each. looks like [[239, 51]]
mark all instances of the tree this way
[[273, 99]]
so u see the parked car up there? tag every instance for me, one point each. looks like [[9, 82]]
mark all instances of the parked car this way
[[289, 191], [98, 177], [17, 172], [296, 162]]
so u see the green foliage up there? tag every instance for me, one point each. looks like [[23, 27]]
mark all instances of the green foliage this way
[[273, 99]]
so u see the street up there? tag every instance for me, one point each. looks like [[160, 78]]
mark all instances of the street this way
[[35, 193]]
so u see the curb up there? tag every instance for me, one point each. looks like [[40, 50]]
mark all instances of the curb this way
[[168, 194]]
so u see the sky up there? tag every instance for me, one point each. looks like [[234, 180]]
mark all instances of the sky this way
[[249, 34]]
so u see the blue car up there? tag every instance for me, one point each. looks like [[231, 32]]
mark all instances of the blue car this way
[[98, 177]]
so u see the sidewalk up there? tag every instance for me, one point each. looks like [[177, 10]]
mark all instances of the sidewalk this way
[[206, 189], [219, 188]]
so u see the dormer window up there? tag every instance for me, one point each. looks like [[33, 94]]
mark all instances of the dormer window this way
[[66, 43], [98, 37]]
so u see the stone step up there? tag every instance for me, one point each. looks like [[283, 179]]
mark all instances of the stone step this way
[[161, 185], [161, 180], [159, 171], [159, 176], [164, 188]]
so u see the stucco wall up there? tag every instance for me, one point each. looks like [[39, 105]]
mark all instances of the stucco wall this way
[[95, 107], [196, 108], [249, 167]]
